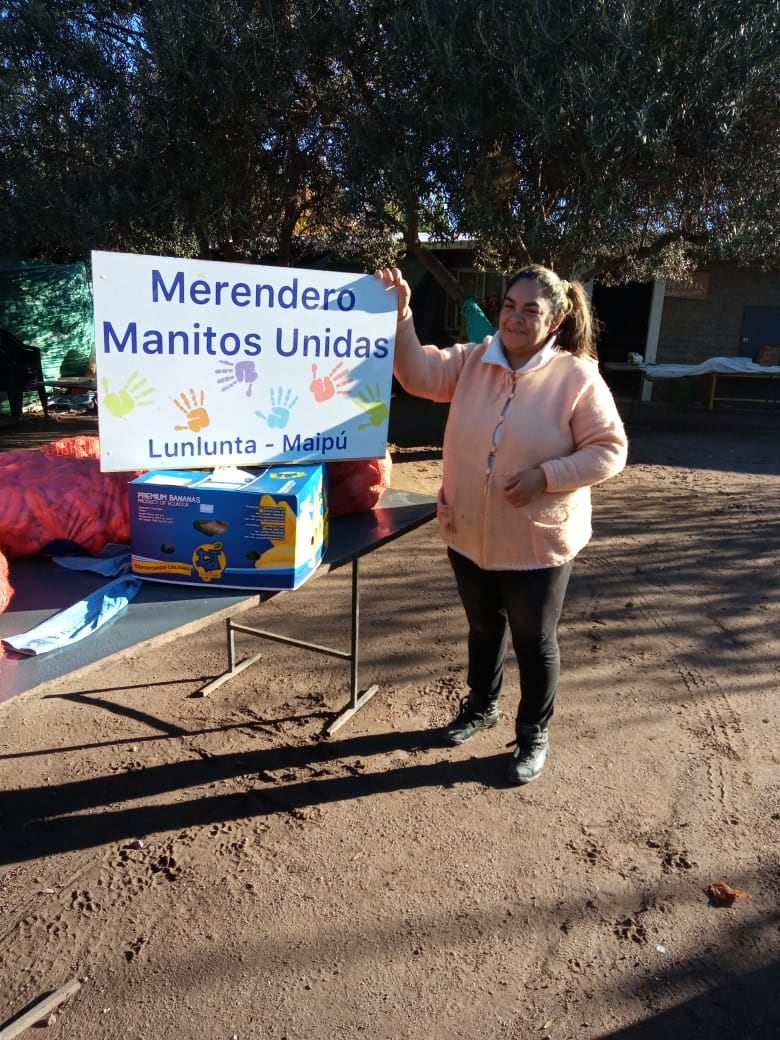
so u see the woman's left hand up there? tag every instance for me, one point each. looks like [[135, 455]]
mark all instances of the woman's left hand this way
[[394, 279], [525, 486]]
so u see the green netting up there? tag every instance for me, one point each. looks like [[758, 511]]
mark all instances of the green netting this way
[[49, 306]]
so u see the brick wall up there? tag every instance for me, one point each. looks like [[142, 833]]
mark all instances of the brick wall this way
[[694, 330]]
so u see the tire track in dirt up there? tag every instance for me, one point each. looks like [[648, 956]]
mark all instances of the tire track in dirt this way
[[31, 890], [711, 716], [77, 925]]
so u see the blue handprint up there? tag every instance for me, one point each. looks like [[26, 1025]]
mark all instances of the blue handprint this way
[[282, 403]]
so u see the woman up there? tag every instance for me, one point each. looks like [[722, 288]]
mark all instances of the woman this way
[[532, 425]]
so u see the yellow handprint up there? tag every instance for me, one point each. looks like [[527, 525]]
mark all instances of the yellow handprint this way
[[122, 402], [194, 410]]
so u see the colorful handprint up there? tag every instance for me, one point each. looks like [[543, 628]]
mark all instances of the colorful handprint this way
[[241, 372], [193, 408], [282, 403], [134, 394], [337, 381], [373, 405]]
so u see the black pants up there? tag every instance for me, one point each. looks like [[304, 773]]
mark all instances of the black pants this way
[[528, 605]]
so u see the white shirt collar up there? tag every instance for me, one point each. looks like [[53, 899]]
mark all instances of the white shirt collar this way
[[494, 355]]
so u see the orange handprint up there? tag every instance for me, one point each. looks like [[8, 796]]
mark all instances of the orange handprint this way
[[194, 410], [337, 381]]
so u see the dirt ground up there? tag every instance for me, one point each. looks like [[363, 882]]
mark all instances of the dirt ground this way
[[215, 868]]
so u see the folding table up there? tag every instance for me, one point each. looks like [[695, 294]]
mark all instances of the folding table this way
[[42, 588]]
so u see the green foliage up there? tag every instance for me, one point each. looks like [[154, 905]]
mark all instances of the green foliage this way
[[611, 133], [614, 139], [48, 306]]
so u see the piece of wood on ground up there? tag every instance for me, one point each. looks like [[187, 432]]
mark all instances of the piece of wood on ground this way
[[40, 1010]]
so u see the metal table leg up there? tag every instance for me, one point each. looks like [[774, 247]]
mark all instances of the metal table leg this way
[[357, 699]]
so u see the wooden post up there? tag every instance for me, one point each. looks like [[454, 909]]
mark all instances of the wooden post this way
[[40, 1010]]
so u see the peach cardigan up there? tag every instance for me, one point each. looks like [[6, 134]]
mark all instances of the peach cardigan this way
[[555, 412]]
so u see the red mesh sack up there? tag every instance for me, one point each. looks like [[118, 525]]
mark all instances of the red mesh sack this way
[[56, 499], [82, 447], [355, 486]]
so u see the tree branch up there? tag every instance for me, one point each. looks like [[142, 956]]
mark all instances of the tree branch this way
[[613, 263]]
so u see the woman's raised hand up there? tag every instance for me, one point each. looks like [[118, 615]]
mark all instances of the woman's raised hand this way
[[393, 279]]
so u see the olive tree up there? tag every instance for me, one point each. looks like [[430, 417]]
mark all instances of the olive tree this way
[[614, 139]]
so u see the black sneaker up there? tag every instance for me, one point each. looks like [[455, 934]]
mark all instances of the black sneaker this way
[[471, 720], [529, 756]]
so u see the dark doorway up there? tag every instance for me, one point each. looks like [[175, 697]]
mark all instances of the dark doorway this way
[[624, 314]]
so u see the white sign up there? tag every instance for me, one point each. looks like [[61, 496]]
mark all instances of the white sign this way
[[203, 364]]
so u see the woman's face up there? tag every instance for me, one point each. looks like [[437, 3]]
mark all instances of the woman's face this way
[[526, 321]]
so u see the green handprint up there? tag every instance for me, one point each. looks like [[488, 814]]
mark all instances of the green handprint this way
[[371, 403], [121, 402]]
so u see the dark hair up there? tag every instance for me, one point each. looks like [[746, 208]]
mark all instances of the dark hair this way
[[577, 332]]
